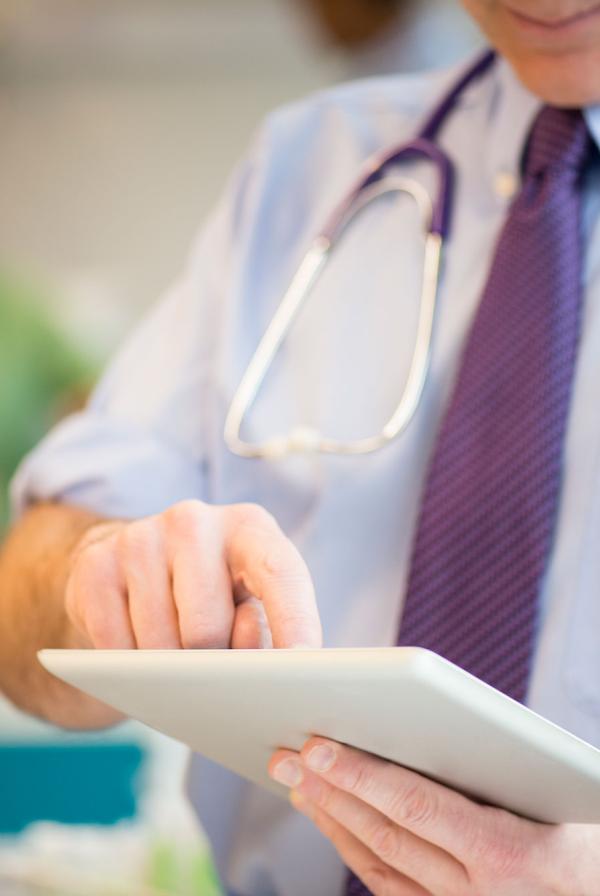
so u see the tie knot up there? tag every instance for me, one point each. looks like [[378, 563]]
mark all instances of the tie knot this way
[[559, 140]]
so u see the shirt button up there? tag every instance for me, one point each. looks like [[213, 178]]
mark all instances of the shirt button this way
[[505, 184]]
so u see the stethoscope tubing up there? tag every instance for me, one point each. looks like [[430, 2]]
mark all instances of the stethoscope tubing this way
[[374, 181], [422, 146]]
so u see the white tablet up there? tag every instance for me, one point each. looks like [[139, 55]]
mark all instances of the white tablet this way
[[405, 704]]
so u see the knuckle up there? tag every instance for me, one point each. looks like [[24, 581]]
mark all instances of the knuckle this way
[[188, 527], [254, 516], [94, 568], [503, 857], [278, 566], [383, 839], [275, 563], [276, 557], [137, 541], [185, 516], [413, 806], [357, 778], [202, 631]]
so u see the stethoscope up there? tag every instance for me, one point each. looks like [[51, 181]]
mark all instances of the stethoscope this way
[[374, 181]]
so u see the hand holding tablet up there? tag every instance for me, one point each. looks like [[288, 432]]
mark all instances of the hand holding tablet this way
[[406, 705]]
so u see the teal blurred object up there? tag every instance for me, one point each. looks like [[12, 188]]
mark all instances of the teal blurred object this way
[[70, 784], [40, 373]]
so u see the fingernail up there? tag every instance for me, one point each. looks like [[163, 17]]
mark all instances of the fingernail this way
[[321, 758], [288, 772]]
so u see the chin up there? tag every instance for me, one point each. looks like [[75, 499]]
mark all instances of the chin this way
[[570, 80]]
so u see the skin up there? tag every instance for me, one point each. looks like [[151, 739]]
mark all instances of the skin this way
[[195, 576], [200, 576], [403, 835], [559, 64]]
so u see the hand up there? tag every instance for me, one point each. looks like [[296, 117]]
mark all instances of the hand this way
[[194, 576], [404, 835]]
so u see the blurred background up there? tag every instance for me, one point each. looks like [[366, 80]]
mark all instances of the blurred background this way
[[119, 122]]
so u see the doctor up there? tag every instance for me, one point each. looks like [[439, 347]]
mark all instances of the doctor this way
[[477, 525]]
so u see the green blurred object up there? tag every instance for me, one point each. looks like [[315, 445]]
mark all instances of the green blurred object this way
[[40, 373], [182, 873]]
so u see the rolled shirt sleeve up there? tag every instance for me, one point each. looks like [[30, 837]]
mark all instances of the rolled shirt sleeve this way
[[106, 466]]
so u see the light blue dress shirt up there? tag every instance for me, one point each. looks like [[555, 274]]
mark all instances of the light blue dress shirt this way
[[152, 434]]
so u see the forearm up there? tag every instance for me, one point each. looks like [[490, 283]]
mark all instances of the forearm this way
[[34, 567]]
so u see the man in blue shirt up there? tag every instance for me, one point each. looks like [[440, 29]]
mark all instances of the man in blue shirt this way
[[140, 528]]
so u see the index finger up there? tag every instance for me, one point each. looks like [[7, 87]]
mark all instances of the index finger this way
[[266, 564]]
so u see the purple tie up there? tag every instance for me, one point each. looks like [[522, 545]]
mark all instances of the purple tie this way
[[490, 502]]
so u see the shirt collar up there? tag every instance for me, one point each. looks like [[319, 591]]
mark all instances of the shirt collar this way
[[592, 117], [512, 110]]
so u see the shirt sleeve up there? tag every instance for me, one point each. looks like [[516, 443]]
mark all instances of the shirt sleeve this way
[[152, 432], [143, 440]]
